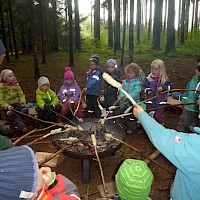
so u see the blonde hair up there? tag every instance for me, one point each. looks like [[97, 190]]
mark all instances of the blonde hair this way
[[163, 74], [138, 71]]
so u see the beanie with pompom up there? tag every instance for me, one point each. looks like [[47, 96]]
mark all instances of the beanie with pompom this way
[[95, 59], [68, 73]]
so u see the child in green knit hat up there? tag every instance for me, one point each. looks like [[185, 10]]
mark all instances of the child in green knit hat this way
[[134, 180]]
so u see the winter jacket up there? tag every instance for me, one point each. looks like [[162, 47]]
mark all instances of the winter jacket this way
[[48, 97], [110, 92], [133, 87], [5, 142], [152, 84], [191, 96], [72, 91], [63, 190], [184, 153], [10, 95], [94, 80]]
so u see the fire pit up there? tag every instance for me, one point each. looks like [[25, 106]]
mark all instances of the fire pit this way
[[84, 149]]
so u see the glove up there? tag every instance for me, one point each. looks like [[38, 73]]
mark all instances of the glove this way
[[47, 107]]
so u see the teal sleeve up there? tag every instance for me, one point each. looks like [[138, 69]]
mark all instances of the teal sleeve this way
[[179, 148]]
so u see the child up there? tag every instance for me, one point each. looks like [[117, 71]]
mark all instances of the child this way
[[21, 178], [189, 116], [157, 82], [110, 92], [182, 150], [2, 52], [133, 85], [134, 180], [12, 97], [47, 101], [69, 94], [93, 87]]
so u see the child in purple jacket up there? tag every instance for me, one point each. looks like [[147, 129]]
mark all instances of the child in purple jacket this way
[[157, 82], [69, 95]]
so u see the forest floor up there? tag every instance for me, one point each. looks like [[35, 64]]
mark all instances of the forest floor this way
[[179, 71]]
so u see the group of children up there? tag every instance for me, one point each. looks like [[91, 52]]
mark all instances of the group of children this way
[[55, 107]]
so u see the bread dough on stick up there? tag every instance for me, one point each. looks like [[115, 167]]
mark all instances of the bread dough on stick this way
[[117, 85]]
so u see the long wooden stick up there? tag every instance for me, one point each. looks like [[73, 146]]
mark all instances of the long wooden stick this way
[[138, 151], [29, 133], [54, 155], [37, 119], [44, 136], [94, 142], [79, 102]]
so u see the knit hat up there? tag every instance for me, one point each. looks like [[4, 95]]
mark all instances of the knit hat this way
[[18, 173], [42, 80], [198, 67], [4, 74], [68, 73], [95, 59], [111, 62], [133, 180]]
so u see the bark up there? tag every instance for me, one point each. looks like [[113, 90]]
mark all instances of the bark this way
[[131, 32], [110, 24], [150, 19], [97, 20], [138, 22], [77, 26], [182, 28], [117, 26], [170, 44]]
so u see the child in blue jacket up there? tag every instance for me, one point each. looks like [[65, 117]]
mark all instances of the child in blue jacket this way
[[184, 153], [133, 85], [93, 88]]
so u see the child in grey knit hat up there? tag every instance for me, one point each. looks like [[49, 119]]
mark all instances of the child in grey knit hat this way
[[20, 178]]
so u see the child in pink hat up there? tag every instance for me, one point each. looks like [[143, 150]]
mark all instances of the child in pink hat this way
[[69, 95]]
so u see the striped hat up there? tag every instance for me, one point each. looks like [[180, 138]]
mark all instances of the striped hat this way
[[133, 180], [42, 80], [4, 74]]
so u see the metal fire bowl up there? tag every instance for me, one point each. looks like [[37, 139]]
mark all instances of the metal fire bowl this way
[[114, 129]]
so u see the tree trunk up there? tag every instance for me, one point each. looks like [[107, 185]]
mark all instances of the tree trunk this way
[[138, 20], [97, 20], [110, 25], [196, 15], [42, 31], [3, 31], [71, 53], [170, 44], [35, 58], [131, 32], [150, 19], [182, 28], [12, 29], [165, 19], [193, 11], [179, 16], [124, 31], [187, 18], [55, 26], [77, 26], [117, 26], [157, 24], [66, 26]]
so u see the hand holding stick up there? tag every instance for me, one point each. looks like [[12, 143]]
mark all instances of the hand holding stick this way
[[117, 85]]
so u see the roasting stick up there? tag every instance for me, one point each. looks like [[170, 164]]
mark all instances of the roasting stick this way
[[94, 142], [30, 132], [108, 135], [118, 85], [73, 113], [79, 102]]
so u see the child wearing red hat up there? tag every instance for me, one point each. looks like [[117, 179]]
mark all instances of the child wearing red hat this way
[[69, 95]]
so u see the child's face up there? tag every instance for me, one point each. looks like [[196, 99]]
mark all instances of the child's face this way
[[93, 65], [155, 71], [11, 78], [130, 74], [197, 72], [110, 68], [69, 81], [44, 87]]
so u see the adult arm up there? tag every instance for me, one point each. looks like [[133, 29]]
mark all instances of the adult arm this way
[[179, 148]]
